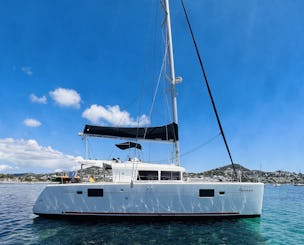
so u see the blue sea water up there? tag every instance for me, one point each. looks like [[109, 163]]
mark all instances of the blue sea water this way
[[282, 222]]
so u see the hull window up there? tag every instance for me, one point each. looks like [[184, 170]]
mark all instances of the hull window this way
[[206, 192], [170, 175], [95, 192], [147, 175]]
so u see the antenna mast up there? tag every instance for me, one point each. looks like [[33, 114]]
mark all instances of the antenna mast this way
[[172, 77]]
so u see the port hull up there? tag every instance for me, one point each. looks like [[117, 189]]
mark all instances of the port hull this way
[[149, 200]]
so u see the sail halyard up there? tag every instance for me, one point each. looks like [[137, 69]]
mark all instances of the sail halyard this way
[[172, 78]]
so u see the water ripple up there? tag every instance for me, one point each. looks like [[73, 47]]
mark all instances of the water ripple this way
[[281, 223]]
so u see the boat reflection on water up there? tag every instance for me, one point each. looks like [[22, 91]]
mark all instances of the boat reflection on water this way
[[224, 231]]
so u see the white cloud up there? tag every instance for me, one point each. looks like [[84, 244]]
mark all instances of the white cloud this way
[[66, 97], [113, 115], [27, 70], [35, 99], [31, 122], [28, 153], [4, 167]]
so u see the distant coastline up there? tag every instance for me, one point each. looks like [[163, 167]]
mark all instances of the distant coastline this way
[[224, 173]]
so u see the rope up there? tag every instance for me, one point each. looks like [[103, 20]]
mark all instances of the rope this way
[[156, 89], [201, 145], [190, 151], [209, 90]]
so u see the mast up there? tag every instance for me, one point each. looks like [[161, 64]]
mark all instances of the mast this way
[[172, 77]]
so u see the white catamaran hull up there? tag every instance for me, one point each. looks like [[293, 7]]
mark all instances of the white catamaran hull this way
[[140, 189], [183, 199]]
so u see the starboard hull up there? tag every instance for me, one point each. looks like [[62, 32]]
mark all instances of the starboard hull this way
[[180, 200]]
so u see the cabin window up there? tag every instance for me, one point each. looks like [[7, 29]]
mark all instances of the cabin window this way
[[95, 192], [206, 192], [147, 175], [170, 175]]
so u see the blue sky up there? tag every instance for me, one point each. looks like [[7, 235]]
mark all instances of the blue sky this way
[[68, 63]]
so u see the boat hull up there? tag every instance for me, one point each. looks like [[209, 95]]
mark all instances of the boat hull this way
[[180, 200]]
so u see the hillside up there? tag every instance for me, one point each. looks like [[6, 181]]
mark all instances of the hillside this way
[[224, 173]]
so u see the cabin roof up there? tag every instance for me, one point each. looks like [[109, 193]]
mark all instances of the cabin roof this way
[[133, 164]]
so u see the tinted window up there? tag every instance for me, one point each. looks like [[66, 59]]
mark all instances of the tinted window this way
[[95, 192], [206, 192], [147, 175], [170, 175]]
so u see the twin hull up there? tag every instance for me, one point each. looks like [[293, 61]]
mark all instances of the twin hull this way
[[183, 199]]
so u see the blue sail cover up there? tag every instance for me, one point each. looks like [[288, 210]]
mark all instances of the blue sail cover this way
[[164, 133]]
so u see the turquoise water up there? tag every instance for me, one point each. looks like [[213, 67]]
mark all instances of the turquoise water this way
[[282, 222]]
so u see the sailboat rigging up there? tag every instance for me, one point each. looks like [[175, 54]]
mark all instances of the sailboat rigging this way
[[208, 88], [139, 189]]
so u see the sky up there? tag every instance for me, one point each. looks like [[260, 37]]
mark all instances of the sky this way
[[64, 64]]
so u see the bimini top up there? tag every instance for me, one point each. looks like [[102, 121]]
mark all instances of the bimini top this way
[[163, 133], [128, 145]]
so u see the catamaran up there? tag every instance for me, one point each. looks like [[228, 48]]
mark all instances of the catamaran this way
[[139, 189]]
